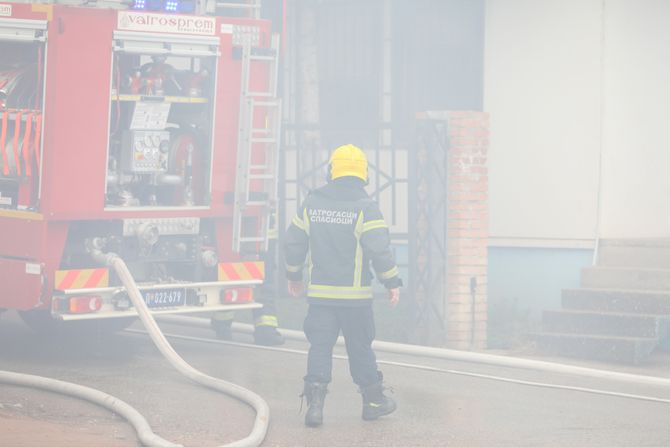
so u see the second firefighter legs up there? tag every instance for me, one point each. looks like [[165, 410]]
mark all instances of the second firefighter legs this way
[[265, 328], [266, 324]]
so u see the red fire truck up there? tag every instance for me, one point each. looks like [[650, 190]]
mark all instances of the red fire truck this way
[[145, 133]]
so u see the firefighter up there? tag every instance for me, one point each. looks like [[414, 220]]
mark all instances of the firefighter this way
[[266, 324], [265, 319], [344, 231]]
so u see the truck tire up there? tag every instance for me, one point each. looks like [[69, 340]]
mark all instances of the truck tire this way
[[41, 321]]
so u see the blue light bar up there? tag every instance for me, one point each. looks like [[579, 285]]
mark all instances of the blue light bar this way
[[184, 6], [171, 6]]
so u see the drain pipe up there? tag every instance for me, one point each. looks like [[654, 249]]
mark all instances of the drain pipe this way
[[473, 296], [601, 137], [257, 435]]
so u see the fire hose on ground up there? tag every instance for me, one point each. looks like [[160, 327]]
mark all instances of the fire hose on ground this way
[[146, 436], [141, 426], [469, 357]]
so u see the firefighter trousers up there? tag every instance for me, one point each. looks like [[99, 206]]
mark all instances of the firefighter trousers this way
[[322, 326]]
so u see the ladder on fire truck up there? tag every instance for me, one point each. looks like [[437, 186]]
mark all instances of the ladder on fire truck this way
[[257, 151]]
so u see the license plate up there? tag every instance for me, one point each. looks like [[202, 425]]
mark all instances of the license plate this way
[[164, 297]]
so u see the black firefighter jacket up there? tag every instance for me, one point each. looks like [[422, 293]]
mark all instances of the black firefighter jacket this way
[[341, 231]]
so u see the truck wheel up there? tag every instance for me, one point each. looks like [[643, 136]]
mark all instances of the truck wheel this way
[[42, 322]]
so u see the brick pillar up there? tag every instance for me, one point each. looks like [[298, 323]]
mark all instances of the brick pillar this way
[[467, 229]]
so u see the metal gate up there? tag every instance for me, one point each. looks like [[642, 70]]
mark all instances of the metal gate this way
[[428, 244], [304, 167]]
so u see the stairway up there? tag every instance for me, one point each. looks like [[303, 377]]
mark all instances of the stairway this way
[[621, 312]]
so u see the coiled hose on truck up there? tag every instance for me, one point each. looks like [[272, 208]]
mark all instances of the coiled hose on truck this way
[[146, 436]]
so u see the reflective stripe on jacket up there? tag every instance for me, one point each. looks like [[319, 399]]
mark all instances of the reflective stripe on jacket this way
[[339, 232]]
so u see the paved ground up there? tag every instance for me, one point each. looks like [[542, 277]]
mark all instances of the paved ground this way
[[435, 408], [31, 419]]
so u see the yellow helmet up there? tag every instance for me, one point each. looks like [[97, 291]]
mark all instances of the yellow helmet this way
[[348, 160]]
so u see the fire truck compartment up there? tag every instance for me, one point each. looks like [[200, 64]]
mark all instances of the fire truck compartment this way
[[22, 66], [161, 118]]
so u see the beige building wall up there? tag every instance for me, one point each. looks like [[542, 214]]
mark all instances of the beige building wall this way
[[542, 91], [569, 83], [636, 149]]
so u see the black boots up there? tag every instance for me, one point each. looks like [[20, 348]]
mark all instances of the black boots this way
[[315, 393], [223, 329], [267, 336], [263, 335], [375, 403]]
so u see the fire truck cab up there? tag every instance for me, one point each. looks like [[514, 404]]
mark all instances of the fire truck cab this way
[[149, 134]]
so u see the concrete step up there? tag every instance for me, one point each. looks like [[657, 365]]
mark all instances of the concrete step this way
[[631, 350], [617, 300], [605, 323], [625, 278], [640, 253]]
